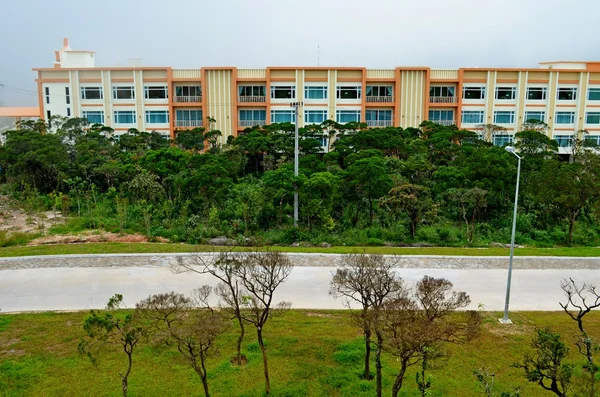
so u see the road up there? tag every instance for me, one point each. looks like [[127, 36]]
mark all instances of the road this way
[[78, 288]]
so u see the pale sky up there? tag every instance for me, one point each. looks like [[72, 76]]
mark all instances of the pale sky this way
[[260, 33]]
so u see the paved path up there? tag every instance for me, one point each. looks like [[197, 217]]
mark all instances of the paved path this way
[[76, 288]]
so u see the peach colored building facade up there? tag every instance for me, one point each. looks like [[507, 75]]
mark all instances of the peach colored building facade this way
[[563, 94]]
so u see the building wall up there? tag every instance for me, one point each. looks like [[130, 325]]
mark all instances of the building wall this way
[[410, 104]]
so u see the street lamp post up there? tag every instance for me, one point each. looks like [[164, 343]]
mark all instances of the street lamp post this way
[[505, 319], [296, 105]]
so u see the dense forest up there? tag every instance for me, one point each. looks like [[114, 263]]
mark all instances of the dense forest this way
[[357, 186]]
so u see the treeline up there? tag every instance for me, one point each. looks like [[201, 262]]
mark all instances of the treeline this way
[[357, 185], [413, 325]]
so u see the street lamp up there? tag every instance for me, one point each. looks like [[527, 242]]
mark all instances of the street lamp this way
[[296, 105], [505, 319]]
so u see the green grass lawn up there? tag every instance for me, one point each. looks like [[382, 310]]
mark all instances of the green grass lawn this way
[[120, 248], [311, 353]]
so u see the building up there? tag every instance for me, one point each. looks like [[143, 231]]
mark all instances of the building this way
[[564, 94]]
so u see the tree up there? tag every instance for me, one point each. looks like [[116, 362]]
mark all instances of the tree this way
[[370, 281], [580, 301], [191, 323], [260, 275], [415, 324], [535, 143], [223, 266], [124, 331], [545, 365], [489, 131], [369, 179], [470, 202], [414, 200], [192, 139], [486, 381]]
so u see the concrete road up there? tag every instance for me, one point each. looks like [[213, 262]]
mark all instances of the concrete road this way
[[75, 288]]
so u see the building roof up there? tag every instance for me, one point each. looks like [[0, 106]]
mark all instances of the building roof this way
[[19, 112]]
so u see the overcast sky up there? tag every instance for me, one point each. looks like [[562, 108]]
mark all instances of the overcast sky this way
[[260, 33]]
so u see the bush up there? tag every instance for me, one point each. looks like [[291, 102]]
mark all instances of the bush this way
[[9, 239]]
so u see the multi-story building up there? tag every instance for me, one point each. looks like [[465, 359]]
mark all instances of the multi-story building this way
[[565, 95]]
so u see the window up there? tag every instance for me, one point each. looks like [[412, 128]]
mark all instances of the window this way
[[48, 118], [592, 118], [506, 93], [187, 115], [347, 116], [192, 90], [283, 116], [473, 92], [441, 91], [155, 92], [593, 140], [375, 90], [472, 116], [315, 116], [68, 112], [379, 115], [564, 118], [536, 93], [349, 92], [157, 116], [594, 94], [91, 93], [538, 116], [123, 93], [504, 117], [563, 140], [93, 116], [446, 117], [259, 116], [47, 94], [503, 140], [315, 92], [566, 94], [124, 117], [67, 96], [283, 92]]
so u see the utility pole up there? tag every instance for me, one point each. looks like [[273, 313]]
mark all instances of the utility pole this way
[[296, 105]]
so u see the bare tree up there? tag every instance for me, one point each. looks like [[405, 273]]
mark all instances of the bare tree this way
[[369, 281], [190, 322], [581, 299], [416, 324], [486, 380], [123, 330], [260, 275], [222, 266]]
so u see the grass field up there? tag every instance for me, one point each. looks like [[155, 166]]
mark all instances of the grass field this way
[[312, 353], [121, 248]]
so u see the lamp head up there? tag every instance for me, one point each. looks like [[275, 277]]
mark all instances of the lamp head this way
[[510, 149]]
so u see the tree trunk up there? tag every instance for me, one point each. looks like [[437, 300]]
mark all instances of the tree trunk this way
[[124, 385], [399, 379], [378, 362], [265, 364], [413, 228], [571, 228], [367, 374], [240, 338], [204, 376], [124, 377]]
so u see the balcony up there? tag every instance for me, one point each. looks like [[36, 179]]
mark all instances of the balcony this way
[[446, 123], [443, 99], [380, 99], [188, 123], [379, 123], [188, 99], [253, 99], [251, 123]]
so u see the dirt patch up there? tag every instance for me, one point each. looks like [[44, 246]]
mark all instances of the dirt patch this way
[[243, 359], [508, 330], [326, 315], [94, 237]]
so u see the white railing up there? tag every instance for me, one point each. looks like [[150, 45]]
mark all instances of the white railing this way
[[252, 99], [188, 123], [442, 99], [251, 123], [379, 123], [446, 123], [188, 99], [380, 98]]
